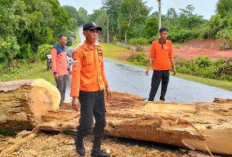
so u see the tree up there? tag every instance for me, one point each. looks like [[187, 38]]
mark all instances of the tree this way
[[188, 11], [132, 13], [11, 19], [112, 8], [11, 23], [46, 19], [220, 24], [224, 7], [151, 28], [73, 15], [83, 14], [26, 24], [100, 18], [188, 19], [171, 13]]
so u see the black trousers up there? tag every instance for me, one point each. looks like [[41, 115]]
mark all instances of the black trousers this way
[[155, 82], [61, 85], [92, 105]]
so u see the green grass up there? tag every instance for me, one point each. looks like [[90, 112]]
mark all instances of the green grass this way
[[212, 82], [29, 71], [114, 51]]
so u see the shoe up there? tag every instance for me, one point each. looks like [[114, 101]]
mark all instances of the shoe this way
[[163, 99], [96, 151], [99, 153], [80, 148]]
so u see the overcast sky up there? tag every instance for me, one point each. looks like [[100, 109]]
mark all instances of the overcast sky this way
[[203, 7]]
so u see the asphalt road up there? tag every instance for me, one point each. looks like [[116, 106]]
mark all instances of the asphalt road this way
[[131, 79]]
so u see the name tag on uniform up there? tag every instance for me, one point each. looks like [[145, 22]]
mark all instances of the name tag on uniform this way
[[86, 54], [166, 47], [99, 51]]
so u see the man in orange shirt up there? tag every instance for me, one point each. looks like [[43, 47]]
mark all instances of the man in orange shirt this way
[[60, 67], [87, 89], [161, 59]]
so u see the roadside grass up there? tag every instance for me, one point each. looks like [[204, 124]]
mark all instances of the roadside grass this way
[[30, 71], [112, 51], [212, 82]]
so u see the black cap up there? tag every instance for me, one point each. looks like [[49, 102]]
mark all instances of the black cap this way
[[91, 26]]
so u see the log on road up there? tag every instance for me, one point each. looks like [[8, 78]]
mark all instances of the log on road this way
[[201, 126]]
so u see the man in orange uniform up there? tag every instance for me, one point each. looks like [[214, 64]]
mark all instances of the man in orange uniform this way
[[161, 59], [60, 65], [87, 89]]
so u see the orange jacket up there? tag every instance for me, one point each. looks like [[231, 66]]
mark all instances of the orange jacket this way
[[88, 70], [59, 60], [161, 53]]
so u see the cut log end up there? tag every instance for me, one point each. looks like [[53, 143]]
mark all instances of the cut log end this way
[[22, 103]]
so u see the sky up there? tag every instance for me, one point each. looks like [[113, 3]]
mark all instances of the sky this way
[[206, 8]]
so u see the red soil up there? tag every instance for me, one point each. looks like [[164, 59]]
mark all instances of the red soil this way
[[196, 48], [191, 53]]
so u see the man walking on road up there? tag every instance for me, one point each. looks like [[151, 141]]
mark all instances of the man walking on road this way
[[161, 59], [87, 89], [60, 68]]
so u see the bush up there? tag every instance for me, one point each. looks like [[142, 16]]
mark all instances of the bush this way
[[183, 35], [150, 40], [138, 42], [138, 59], [202, 66], [225, 35], [203, 61], [43, 51], [209, 72]]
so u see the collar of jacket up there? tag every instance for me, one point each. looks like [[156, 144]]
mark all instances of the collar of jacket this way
[[162, 42], [89, 46], [59, 48]]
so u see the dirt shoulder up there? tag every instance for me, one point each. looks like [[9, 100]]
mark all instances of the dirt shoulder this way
[[62, 145], [194, 48]]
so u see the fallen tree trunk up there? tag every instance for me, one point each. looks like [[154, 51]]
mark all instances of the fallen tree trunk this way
[[22, 103], [202, 126]]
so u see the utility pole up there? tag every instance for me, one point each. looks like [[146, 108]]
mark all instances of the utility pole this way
[[159, 14]]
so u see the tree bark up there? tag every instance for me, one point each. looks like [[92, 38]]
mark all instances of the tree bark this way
[[126, 37], [108, 30], [160, 15]]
